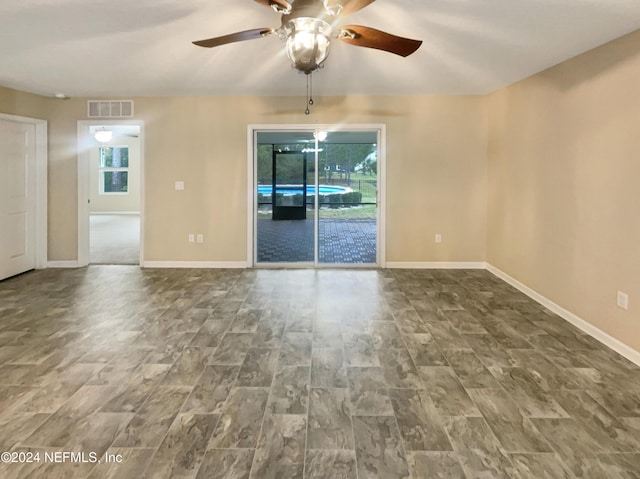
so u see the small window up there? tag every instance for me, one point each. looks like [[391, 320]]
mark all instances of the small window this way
[[114, 170]]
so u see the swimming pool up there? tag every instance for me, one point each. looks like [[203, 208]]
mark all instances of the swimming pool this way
[[297, 189]]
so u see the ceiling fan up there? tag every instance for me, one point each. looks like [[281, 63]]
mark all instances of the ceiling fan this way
[[308, 27]]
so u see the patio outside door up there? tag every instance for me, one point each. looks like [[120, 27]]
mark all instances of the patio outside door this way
[[316, 198]]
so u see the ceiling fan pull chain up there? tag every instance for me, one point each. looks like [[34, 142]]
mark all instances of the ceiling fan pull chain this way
[[311, 88], [309, 101]]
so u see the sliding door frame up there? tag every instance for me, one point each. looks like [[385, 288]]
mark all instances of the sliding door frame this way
[[252, 197]]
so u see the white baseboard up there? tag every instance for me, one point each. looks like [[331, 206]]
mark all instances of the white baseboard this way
[[435, 265], [62, 264], [596, 333], [196, 264]]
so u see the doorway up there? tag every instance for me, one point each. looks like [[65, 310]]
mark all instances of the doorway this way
[[110, 171], [315, 197]]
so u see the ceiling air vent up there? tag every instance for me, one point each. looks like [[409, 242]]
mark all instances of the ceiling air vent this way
[[110, 109]]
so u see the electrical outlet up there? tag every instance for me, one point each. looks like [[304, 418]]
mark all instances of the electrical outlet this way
[[623, 300], [438, 238], [179, 185], [192, 238], [200, 238]]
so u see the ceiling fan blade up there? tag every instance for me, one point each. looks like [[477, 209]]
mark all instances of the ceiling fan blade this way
[[280, 5], [350, 6], [234, 37], [372, 38]]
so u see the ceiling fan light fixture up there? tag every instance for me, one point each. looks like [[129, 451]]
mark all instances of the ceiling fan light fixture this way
[[320, 135], [103, 135], [308, 43]]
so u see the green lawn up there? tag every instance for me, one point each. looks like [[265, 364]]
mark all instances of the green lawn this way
[[355, 213], [362, 176], [354, 177]]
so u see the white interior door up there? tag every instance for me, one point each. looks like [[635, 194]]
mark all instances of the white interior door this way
[[17, 198]]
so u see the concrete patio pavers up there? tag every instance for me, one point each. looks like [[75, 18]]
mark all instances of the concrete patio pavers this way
[[351, 241]]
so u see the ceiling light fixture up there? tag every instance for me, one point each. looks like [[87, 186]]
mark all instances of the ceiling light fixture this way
[[307, 43], [320, 135], [308, 40], [103, 135]]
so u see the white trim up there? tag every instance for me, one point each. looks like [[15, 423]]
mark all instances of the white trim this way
[[381, 207], [196, 264], [251, 220], [83, 193], [141, 188], [298, 265], [593, 331], [436, 265], [316, 198], [42, 189], [312, 265], [347, 266], [85, 143], [62, 264]]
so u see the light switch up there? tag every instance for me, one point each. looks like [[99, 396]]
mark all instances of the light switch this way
[[179, 185]]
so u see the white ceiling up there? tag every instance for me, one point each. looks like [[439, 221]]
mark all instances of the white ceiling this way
[[101, 48]]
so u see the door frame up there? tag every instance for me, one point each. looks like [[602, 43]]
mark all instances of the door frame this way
[[85, 143], [41, 202], [252, 196]]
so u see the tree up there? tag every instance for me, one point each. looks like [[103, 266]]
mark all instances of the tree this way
[[115, 157], [265, 164], [348, 156], [289, 165], [369, 165]]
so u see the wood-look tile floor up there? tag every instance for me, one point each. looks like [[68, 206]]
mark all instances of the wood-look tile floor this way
[[265, 374]]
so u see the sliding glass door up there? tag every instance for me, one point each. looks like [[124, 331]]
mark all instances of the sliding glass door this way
[[316, 198], [285, 231], [347, 213]]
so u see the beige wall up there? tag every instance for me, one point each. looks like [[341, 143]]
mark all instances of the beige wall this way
[[435, 181], [63, 177], [125, 203], [564, 185], [13, 102]]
